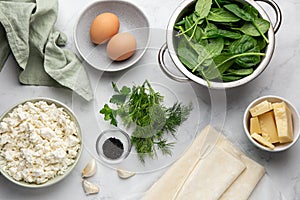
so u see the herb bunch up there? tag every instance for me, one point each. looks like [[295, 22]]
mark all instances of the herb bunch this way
[[141, 107], [221, 40]]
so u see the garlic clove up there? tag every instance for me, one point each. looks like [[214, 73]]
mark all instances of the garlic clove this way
[[90, 169], [89, 188], [125, 174]]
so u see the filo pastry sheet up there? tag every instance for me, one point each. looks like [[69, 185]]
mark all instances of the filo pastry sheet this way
[[211, 168]]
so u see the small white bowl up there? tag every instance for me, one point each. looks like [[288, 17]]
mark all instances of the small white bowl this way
[[132, 20], [57, 178], [295, 118], [118, 134]]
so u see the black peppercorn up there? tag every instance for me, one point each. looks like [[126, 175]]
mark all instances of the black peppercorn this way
[[113, 148]]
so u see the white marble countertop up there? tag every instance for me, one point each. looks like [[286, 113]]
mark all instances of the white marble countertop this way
[[280, 78]]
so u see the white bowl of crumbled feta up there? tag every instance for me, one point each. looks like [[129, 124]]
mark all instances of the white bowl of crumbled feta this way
[[40, 142]]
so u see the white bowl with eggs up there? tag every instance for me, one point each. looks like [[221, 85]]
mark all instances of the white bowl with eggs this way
[[295, 124], [102, 40], [40, 143]]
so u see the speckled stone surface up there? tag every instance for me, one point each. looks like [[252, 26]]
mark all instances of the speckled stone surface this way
[[282, 181]]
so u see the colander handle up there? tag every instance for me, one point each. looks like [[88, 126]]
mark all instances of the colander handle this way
[[278, 14], [165, 69]]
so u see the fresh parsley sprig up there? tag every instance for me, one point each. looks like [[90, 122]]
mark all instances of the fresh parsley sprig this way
[[141, 107]]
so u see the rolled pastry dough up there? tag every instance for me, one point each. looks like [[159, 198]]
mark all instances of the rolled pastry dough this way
[[182, 178]]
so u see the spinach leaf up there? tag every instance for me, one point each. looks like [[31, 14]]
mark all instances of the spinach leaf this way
[[223, 62], [196, 28], [210, 26], [227, 42], [251, 10], [206, 53], [198, 34], [216, 69], [215, 46], [259, 25], [249, 28], [191, 23], [211, 73], [222, 2], [235, 9], [246, 44], [249, 61], [221, 15], [202, 8], [186, 54], [261, 43], [220, 33], [192, 43], [195, 17], [249, 17], [229, 78], [236, 74], [180, 23], [188, 25], [239, 72], [188, 58]]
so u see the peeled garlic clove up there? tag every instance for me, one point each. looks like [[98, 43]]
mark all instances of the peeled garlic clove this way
[[90, 169], [89, 188], [125, 174]]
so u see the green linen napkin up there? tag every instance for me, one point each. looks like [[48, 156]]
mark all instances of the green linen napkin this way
[[28, 32], [4, 47]]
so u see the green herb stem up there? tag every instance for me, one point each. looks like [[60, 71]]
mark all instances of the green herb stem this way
[[217, 3], [142, 107], [185, 31], [194, 30], [240, 55], [199, 64]]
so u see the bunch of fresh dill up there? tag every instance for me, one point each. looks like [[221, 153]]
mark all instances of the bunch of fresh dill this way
[[141, 107]]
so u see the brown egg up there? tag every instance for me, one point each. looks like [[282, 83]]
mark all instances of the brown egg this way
[[121, 46], [103, 27]]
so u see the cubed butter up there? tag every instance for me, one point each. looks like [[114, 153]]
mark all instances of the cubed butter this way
[[262, 140], [283, 119], [254, 125], [261, 108], [268, 127]]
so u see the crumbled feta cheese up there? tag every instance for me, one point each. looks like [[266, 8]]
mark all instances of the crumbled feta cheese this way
[[72, 140], [4, 139], [38, 141], [3, 127], [47, 133]]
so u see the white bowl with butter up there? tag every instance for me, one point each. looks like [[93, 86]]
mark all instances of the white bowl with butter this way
[[272, 123]]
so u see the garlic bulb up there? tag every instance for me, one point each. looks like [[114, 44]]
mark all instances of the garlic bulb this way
[[90, 169], [125, 174], [89, 188]]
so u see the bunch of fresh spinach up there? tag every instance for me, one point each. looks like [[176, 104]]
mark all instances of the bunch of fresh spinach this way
[[221, 40]]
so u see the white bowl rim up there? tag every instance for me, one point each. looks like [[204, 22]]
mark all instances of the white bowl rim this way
[[111, 69], [260, 99]]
